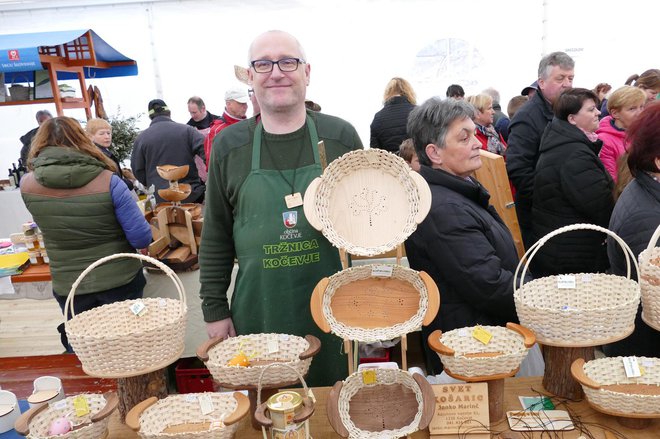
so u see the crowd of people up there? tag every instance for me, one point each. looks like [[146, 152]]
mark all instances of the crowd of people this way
[[563, 158]]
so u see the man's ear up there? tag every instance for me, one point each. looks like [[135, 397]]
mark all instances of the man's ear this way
[[308, 69]]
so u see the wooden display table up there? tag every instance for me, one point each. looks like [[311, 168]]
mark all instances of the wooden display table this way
[[33, 273]]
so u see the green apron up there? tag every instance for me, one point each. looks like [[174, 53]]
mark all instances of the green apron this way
[[281, 258]]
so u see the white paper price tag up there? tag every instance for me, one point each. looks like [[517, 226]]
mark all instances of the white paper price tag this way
[[647, 362], [566, 281], [631, 367], [284, 337], [206, 404], [586, 278], [191, 398], [138, 308], [273, 346], [463, 332], [382, 270], [162, 303], [59, 405]]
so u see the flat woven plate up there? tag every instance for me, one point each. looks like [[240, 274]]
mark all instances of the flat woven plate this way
[[367, 202]]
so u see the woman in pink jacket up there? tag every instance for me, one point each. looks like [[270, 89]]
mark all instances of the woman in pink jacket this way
[[624, 105]]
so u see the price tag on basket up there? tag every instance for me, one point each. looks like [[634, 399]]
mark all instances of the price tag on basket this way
[[138, 308], [566, 282], [382, 270], [369, 376], [482, 335], [273, 346], [206, 404], [631, 367], [80, 406]]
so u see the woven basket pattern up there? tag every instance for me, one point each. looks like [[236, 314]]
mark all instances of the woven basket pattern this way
[[357, 161], [111, 341], [96, 430], [374, 334], [182, 409], [353, 383], [256, 346], [504, 340], [649, 266], [601, 308], [607, 371]]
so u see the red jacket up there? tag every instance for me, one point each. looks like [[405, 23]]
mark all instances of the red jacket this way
[[216, 126]]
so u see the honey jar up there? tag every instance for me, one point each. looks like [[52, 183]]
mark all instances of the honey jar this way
[[283, 407]]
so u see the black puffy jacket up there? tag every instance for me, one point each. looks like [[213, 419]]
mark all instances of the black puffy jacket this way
[[388, 128], [571, 186]]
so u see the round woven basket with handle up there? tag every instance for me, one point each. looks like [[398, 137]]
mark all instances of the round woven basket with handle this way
[[112, 341], [649, 282], [594, 309], [462, 354], [609, 389], [182, 417]]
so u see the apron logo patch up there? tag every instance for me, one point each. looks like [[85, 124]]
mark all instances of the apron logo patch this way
[[290, 219]]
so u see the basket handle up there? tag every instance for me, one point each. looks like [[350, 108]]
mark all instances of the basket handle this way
[[314, 347], [22, 424], [528, 335], [438, 346], [424, 192], [577, 370], [68, 305], [316, 305], [203, 350], [133, 415], [525, 261], [332, 408], [428, 398], [654, 238], [111, 403], [240, 411], [433, 294]]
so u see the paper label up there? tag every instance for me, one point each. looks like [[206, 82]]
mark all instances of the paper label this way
[[191, 398], [273, 346], [463, 332], [80, 406], [139, 308], [284, 337], [382, 270], [647, 362], [586, 278], [293, 200], [206, 404], [631, 367], [369, 377], [59, 405], [162, 303], [566, 281], [482, 335]]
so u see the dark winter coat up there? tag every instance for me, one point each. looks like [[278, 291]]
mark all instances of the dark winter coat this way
[[571, 186], [388, 128]]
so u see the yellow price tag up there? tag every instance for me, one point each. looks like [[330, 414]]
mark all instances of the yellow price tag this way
[[369, 377], [80, 406], [482, 335], [641, 370]]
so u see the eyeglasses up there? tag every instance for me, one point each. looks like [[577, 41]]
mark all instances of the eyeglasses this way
[[284, 64]]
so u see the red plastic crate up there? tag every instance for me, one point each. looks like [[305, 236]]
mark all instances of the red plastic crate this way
[[385, 358], [192, 376]]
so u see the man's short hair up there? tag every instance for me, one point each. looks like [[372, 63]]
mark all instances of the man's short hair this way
[[560, 59], [43, 115], [490, 91], [455, 90], [197, 101]]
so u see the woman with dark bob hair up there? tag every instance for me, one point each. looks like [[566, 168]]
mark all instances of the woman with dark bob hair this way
[[571, 186], [635, 218], [85, 212], [463, 244]]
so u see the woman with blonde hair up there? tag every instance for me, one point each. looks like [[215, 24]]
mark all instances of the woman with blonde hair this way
[[85, 213], [100, 132], [648, 81], [388, 128], [490, 139], [624, 106]]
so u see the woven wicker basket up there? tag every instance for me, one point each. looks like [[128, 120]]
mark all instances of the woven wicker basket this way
[[181, 416], [34, 423], [464, 356], [649, 266], [608, 389], [113, 342], [294, 351], [357, 304], [367, 202], [600, 309], [393, 404]]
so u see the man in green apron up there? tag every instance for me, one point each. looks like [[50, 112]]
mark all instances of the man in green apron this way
[[258, 172]]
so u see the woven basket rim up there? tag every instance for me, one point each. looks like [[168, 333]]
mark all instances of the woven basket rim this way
[[220, 346]]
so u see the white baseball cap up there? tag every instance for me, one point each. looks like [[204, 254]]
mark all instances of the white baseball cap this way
[[238, 94]]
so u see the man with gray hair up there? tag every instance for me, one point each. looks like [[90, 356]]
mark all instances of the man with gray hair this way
[[41, 116], [555, 74]]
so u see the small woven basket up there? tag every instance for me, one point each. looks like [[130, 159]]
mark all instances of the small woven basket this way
[[403, 295], [161, 418], [608, 388], [111, 341], [367, 202], [379, 409], [291, 350], [20, 92], [600, 309], [39, 424], [462, 354], [649, 266]]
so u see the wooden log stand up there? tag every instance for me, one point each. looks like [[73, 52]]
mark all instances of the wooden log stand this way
[[134, 390], [557, 378]]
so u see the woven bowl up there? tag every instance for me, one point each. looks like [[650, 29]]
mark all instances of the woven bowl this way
[[609, 390], [600, 309], [374, 302], [181, 417], [649, 266], [34, 423], [367, 202], [113, 342], [293, 351], [465, 357], [393, 404]]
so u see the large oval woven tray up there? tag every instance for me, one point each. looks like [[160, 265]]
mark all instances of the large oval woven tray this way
[[374, 302], [609, 390], [466, 358], [598, 309], [367, 202]]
